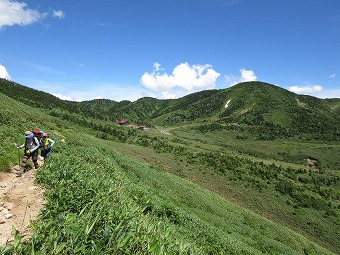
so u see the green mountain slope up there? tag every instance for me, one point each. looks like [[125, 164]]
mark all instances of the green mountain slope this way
[[103, 202], [251, 103], [258, 103], [255, 111]]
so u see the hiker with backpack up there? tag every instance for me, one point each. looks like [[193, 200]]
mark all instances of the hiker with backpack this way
[[31, 146], [47, 144]]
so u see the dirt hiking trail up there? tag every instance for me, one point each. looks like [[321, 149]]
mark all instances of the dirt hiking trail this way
[[20, 202]]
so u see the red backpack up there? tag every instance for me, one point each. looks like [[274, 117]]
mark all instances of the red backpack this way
[[38, 134]]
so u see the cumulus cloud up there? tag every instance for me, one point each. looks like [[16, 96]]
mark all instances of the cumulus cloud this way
[[59, 14], [306, 90], [183, 77], [18, 13], [246, 75], [15, 13], [4, 74]]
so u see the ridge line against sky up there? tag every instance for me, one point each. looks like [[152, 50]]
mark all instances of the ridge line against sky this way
[[125, 50]]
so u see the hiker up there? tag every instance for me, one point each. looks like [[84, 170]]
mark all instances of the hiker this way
[[47, 144], [31, 146]]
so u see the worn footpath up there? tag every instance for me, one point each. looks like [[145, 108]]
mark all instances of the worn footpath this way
[[20, 202]]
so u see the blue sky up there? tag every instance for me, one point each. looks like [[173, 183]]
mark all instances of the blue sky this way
[[128, 49]]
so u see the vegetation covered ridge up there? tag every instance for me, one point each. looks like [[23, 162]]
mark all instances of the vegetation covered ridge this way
[[255, 104], [100, 201], [205, 151]]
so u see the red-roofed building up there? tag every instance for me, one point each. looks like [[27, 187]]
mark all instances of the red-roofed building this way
[[124, 123]]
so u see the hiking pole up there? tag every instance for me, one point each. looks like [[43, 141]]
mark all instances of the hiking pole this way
[[19, 158]]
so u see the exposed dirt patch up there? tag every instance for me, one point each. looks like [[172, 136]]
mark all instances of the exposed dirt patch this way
[[301, 104], [167, 132], [20, 202]]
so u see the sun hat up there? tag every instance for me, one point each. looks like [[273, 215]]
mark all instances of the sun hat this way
[[28, 134]]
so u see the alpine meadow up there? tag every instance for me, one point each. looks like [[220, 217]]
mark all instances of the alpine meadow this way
[[251, 169]]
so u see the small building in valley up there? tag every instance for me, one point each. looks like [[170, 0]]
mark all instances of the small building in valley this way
[[124, 123], [143, 128]]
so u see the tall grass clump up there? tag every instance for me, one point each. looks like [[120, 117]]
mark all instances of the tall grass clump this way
[[89, 210]]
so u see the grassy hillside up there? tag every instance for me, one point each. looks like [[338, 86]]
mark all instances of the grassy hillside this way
[[103, 200], [187, 180]]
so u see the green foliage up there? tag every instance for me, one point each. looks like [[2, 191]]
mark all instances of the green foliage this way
[[272, 110], [91, 211], [101, 202]]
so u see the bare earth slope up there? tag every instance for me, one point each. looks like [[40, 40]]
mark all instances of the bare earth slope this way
[[20, 201]]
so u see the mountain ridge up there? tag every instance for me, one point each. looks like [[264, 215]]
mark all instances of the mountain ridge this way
[[251, 103]]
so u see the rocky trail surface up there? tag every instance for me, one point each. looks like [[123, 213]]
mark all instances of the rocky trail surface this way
[[21, 200]]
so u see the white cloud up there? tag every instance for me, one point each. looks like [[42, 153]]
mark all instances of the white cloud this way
[[59, 14], [68, 98], [15, 13], [306, 90], [79, 96], [183, 77], [4, 74], [332, 76], [246, 75]]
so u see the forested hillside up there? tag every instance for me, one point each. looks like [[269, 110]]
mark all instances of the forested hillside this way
[[251, 103]]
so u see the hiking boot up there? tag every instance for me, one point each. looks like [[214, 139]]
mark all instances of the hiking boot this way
[[17, 168]]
